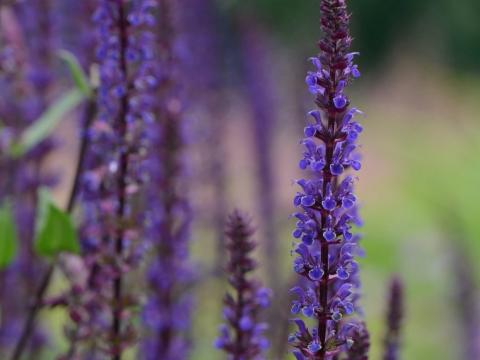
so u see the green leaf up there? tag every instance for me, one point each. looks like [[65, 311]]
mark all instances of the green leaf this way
[[8, 235], [79, 77], [55, 229], [47, 122], [43, 202]]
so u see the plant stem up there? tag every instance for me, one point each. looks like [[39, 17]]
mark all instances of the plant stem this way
[[121, 182], [28, 326], [328, 180]]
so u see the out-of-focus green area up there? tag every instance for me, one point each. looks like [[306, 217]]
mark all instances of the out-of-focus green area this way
[[446, 30]]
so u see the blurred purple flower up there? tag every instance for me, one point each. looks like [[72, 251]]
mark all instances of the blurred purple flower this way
[[325, 254], [359, 344], [261, 92], [242, 335], [100, 307], [394, 320], [25, 79], [202, 29], [69, 31], [166, 315]]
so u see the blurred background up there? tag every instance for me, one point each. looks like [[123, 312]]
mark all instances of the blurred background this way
[[418, 187]]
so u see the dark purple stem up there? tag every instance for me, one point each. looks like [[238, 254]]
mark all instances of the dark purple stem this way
[[394, 320], [331, 180], [238, 352], [172, 143], [121, 181]]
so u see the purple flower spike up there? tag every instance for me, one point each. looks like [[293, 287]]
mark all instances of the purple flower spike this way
[[326, 246], [394, 321], [113, 179], [242, 337], [167, 313]]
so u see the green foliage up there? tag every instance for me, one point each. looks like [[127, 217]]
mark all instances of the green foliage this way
[[44, 126], [79, 77], [8, 235], [448, 28], [377, 25], [460, 29], [55, 231]]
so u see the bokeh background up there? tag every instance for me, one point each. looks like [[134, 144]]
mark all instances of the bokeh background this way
[[419, 186]]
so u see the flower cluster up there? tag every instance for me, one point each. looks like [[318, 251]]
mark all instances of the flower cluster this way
[[166, 314], [100, 305], [326, 204], [360, 343], [241, 337], [394, 320]]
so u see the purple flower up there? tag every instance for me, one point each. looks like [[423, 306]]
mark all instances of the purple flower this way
[[113, 179], [359, 343], [202, 49], [326, 204], [166, 316], [242, 335], [261, 94], [394, 320]]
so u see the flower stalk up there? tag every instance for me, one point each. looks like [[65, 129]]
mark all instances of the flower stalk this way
[[99, 305], [327, 204], [166, 314], [394, 320], [241, 337]]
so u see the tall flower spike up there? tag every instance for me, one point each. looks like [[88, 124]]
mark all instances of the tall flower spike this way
[[394, 320], [260, 91], [241, 337], [202, 28], [166, 314], [325, 254], [101, 304]]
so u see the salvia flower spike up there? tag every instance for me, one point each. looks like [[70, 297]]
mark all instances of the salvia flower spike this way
[[394, 320], [100, 304], [166, 314], [327, 209], [241, 337]]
